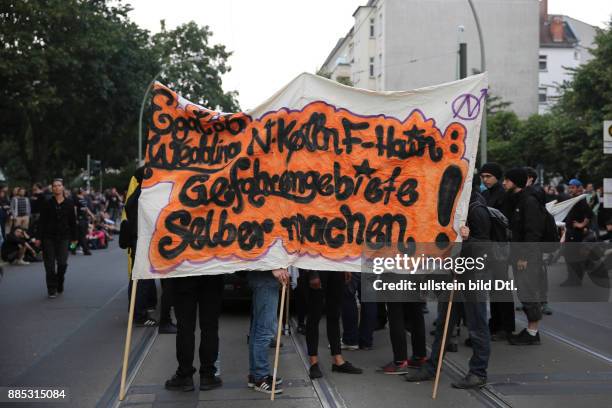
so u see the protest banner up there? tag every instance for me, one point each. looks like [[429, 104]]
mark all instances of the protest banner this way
[[307, 179]]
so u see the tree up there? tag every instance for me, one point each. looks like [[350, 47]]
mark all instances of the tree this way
[[72, 71], [192, 67], [585, 103]]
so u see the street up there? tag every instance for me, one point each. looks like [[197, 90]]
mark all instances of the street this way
[[76, 342]]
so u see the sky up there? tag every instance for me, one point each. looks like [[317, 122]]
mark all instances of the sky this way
[[273, 41]]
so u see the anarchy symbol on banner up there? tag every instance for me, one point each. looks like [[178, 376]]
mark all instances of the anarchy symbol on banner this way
[[467, 106]]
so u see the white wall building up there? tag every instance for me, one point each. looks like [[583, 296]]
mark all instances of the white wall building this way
[[564, 43], [407, 44]]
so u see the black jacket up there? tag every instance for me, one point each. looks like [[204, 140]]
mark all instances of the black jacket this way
[[58, 221], [538, 193], [497, 198], [478, 219], [527, 225]]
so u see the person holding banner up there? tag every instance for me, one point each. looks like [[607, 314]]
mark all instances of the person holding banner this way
[[197, 295], [265, 285], [328, 286], [501, 323], [475, 234]]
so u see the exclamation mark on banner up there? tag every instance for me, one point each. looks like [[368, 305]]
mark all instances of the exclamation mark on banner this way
[[447, 194]]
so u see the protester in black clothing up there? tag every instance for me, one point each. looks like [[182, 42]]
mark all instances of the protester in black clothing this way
[[146, 292], [561, 194], [84, 215], [527, 226], [5, 209], [57, 228], [538, 192], [475, 234], [576, 231], [502, 319], [326, 286], [534, 189]]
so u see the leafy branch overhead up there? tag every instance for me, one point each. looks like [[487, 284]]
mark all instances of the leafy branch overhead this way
[[74, 73]]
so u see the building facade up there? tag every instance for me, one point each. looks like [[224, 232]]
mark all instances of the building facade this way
[[408, 44], [564, 44]]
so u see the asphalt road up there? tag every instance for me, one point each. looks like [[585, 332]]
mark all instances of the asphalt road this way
[[76, 342]]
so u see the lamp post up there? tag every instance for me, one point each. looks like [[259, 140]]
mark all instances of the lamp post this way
[[483, 126]]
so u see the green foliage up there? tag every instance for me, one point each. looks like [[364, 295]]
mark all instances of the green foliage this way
[[567, 141], [73, 76]]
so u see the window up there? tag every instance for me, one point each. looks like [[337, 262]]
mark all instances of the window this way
[[543, 62], [543, 98], [577, 55], [380, 27], [371, 27], [380, 64], [371, 66]]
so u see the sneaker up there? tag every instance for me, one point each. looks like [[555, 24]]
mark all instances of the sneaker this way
[[179, 383], [525, 339], [87, 253], [148, 322], [470, 381], [350, 347], [208, 383], [366, 348], [346, 368], [315, 371], [52, 295], [417, 362], [251, 381], [21, 262], [419, 376], [167, 328], [396, 368], [265, 386], [60, 288], [452, 348]]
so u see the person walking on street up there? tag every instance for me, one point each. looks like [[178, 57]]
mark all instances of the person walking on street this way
[[58, 227], [264, 324]]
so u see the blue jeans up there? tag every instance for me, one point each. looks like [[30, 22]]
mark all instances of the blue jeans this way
[[478, 327], [263, 321], [357, 334]]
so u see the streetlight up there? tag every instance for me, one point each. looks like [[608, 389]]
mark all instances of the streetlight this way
[[483, 126]]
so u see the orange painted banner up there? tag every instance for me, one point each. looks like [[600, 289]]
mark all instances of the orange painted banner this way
[[321, 181]]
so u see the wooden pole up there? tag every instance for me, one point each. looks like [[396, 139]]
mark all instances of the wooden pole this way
[[443, 344], [287, 328], [278, 339], [128, 341]]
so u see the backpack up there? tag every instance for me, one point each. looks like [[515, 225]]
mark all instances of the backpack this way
[[550, 237], [500, 235]]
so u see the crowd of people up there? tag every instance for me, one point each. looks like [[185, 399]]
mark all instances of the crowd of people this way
[[351, 322], [51, 221], [30, 221]]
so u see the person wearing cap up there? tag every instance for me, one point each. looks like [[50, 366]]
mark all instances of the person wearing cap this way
[[527, 225], [501, 324], [576, 227]]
